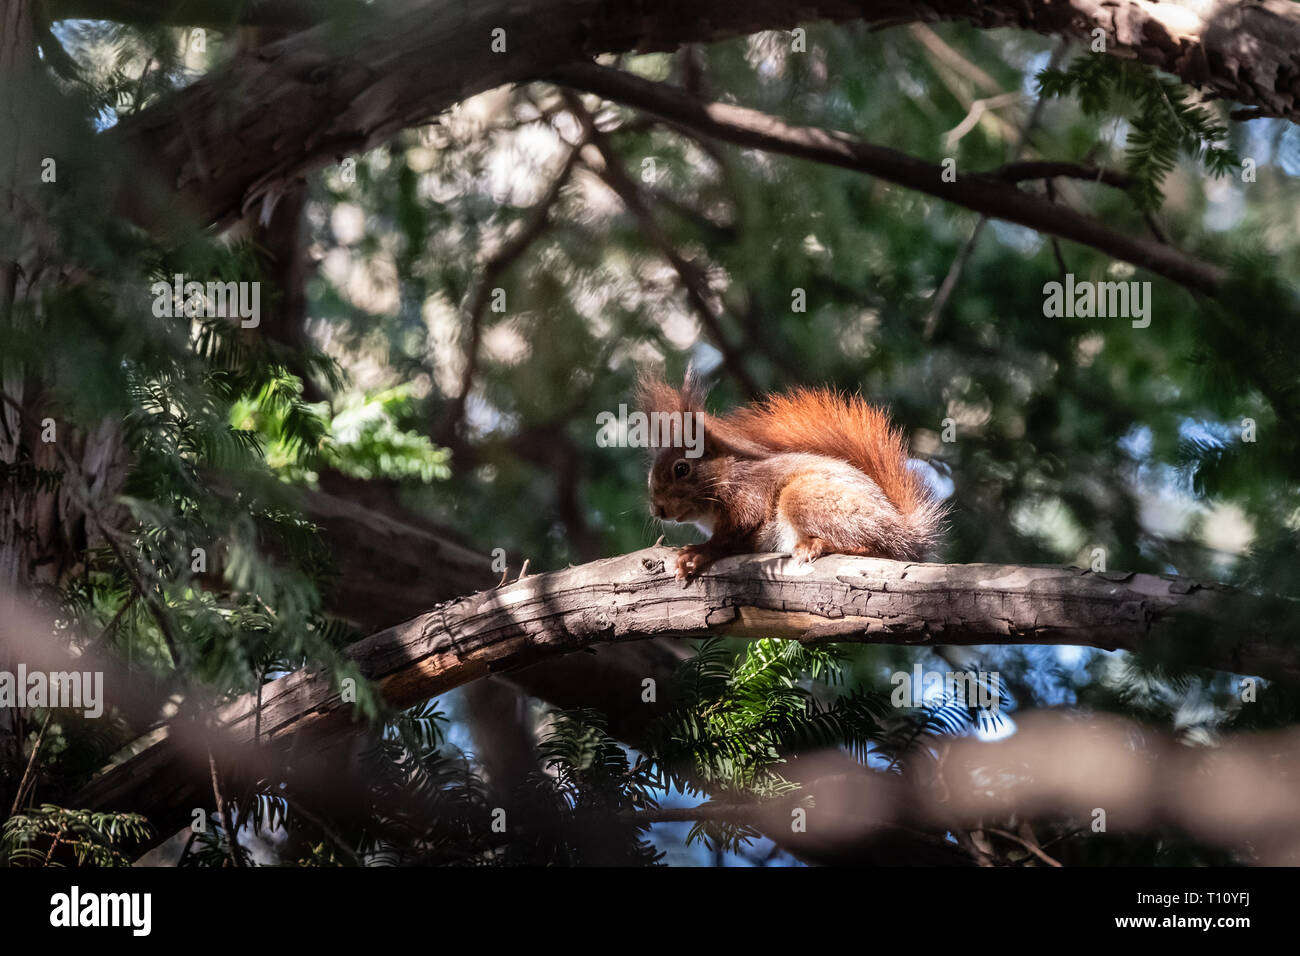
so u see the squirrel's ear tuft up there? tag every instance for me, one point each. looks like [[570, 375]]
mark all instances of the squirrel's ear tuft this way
[[653, 394], [694, 390]]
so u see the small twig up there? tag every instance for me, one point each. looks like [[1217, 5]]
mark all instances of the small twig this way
[[692, 278], [1056, 243], [976, 113], [945, 290], [534, 225], [1036, 851], [257, 714], [1075, 831], [223, 810], [31, 764], [186, 850], [324, 828]]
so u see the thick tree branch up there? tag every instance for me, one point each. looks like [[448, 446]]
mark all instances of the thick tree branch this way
[[391, 567], [837, 599], [199, 13], [986, 194], [629, 598], [222, 144]]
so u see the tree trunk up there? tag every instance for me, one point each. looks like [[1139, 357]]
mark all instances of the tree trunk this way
[[44, 532]]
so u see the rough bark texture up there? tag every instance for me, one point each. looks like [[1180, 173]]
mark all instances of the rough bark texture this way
[[231, 140], [635, 596], [391, 569], [214, 13], [392, 565], [17, 66], [836, 599]]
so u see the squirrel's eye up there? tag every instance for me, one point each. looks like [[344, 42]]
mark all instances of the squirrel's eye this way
[[681, 469]]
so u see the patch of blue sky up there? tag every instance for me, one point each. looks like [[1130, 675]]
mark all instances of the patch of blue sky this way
[[1029, 79], [1226, 206], [671, 838], [1264, 135], [941, 484], [67, 32], [1160, 478], [1024, 240]]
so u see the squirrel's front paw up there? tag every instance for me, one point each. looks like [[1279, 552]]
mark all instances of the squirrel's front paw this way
[[808, 550], [691, 560]]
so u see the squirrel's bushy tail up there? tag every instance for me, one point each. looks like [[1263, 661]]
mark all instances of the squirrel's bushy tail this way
[[824, 422]]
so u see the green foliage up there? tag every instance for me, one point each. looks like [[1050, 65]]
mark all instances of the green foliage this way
[[737, 716], [1072, 434], [368, 440], [56, 836], [364, 439], [1163, 121]]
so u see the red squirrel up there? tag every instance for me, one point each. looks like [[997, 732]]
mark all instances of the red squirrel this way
[[810, 472]]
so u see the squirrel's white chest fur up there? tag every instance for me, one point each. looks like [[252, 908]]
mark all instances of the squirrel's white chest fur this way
[[777, 535]]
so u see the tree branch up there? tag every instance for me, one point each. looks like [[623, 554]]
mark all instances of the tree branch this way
[[985, 194], [633, 597], [1051, 169], [692, 277], [224, 142], [197, 13], [533, 226]]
